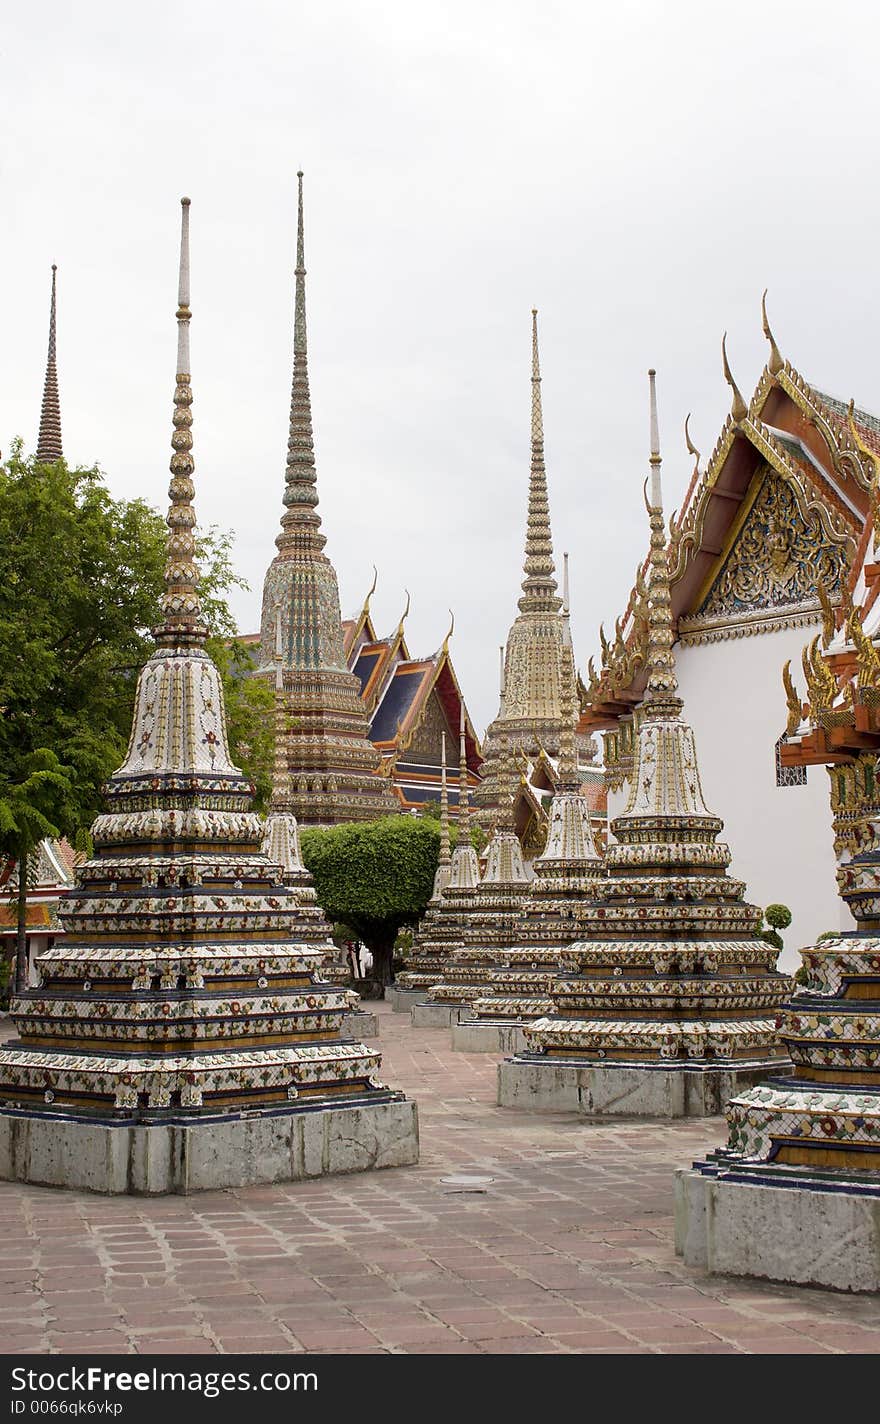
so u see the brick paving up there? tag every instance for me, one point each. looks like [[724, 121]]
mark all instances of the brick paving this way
[[567, 1249]]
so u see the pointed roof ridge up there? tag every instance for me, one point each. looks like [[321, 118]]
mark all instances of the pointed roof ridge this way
[[662, 685], [49, 445], [180, 601], [301, 478], [539, 589]]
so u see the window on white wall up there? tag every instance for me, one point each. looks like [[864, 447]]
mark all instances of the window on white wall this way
[[788, 775]]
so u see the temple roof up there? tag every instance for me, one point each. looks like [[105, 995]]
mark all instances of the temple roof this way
[[798, 438]]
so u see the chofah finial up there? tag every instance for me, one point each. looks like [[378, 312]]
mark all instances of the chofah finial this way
[[739, 410], [691, 447], [776, 362]]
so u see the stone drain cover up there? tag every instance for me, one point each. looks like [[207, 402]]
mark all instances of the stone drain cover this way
[[465, 1182]]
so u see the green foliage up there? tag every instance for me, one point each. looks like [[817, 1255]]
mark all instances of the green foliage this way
[[376, 876], [249, 703], [800, 975], [81, 576], [771, 937], [778, 916], [827, 934]]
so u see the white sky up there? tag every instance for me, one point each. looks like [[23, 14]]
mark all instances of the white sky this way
[[638, 171]]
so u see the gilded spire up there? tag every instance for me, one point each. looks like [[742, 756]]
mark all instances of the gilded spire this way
[[443, 873], [180, 601], [444, 805], [539, 584], [464, 831], [662, 685], [301, 481], [49, 446], [568, 777]]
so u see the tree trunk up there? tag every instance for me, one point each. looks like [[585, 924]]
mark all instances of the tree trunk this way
[[381, 947], [21, 956]]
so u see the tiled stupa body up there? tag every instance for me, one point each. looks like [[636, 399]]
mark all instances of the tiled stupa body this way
[[795, 1194], [443, 924], [181, 1036], [504, 986], [674, 1005], [492, 916], [496, 949]]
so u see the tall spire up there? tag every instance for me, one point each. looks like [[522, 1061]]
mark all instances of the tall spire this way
[[444, 862], [49, 446], [444, 805], [464, 831], [180, 601], [568, 767], [662, 686], [539, 584], [300, 522]]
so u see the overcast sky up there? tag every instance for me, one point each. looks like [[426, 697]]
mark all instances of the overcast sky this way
[[637, 171]]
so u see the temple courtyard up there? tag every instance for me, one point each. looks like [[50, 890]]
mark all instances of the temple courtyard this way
[[516, 1232]]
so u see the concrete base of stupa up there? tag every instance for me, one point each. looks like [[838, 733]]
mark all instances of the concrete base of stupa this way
[[624, 1089], [229, 1151], [428, 1015], [362, 1024], [402, 1000], [488, 1036], [780, 1225]]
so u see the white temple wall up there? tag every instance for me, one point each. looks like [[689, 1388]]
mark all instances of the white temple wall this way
[[780, 837]]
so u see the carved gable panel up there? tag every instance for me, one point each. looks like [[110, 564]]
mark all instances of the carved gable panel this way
[[771, 574], [425, 748]]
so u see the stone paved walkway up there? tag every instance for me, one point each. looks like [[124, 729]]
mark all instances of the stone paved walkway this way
[[568, 1248]]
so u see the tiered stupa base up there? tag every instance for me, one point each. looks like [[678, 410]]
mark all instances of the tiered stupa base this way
[[795, 1194], [232, 1150], [660, 1028], [402, 999], [645, 1090], [779, 1223]]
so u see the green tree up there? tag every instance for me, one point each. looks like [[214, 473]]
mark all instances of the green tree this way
[[778, 917], [376, 876], [81, 576], [44, 790]]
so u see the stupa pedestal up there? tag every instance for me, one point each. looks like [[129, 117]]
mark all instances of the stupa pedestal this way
[[402, 999], [795, 1194], [180, 1036]]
